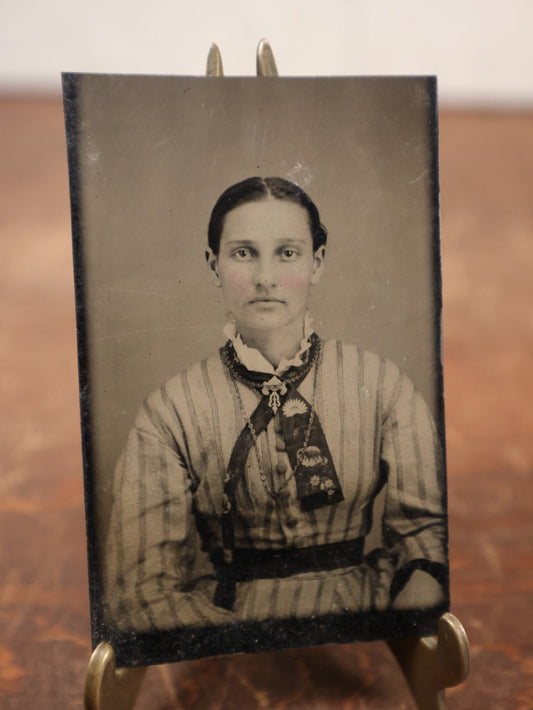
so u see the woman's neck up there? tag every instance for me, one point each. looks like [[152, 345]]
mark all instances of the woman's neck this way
[[275, 345]]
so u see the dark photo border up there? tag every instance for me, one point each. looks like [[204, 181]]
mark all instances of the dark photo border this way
[[97, 99]]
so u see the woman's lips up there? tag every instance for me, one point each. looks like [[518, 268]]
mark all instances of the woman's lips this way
[[266, 300]]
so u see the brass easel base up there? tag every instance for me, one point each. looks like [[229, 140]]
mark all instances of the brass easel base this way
[[109, 688], [429, 665]]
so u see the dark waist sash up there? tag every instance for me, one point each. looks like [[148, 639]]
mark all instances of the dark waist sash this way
[[267, 564]]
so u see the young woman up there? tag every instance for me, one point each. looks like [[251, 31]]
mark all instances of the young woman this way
[[246, 489]]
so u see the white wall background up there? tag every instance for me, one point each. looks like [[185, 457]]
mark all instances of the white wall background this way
[[481, 50]]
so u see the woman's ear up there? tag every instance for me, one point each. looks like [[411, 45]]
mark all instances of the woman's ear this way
[[212, 265], [318, 264]]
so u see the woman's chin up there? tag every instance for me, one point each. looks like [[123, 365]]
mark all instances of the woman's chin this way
[[267, 322]]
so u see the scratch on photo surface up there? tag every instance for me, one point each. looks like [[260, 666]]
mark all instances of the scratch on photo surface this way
[[265, 139], [300, 174], [417, 179]]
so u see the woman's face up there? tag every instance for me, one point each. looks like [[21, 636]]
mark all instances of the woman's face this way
[[266, 264]]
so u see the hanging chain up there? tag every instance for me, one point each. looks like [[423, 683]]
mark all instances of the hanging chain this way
[[300, 454]]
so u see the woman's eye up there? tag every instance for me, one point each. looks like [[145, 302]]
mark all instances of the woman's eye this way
[[289, 253], [241, 254]]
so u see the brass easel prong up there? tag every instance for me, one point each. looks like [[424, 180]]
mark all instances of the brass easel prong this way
[[431, 665], [214, 62], [109, 688], [266, 64]]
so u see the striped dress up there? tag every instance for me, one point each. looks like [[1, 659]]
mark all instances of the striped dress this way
[[168, 488]]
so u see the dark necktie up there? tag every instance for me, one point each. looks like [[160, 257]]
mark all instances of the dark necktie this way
[[316, 480]]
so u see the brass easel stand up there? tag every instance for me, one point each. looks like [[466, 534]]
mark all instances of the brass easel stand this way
[[109, 688], [429, 665]]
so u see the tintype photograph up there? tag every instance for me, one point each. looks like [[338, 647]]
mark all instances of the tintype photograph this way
[[258, 299]]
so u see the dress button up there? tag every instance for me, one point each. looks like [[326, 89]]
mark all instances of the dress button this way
[[280, 444], [284, 494], [281, 468], [292, 522]]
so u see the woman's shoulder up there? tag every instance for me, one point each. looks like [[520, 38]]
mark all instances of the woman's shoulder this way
[[197, 369], [354, 362], [189, 384], [340, 349]]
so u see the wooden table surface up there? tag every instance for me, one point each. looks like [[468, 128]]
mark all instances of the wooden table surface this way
[[487, 237]]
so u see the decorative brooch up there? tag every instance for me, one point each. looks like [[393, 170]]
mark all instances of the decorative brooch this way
[[274, 388]]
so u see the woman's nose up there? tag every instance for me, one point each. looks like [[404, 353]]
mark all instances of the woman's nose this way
[[265, 274]]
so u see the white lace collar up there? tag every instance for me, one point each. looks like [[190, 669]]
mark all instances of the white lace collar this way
[[254, 361]]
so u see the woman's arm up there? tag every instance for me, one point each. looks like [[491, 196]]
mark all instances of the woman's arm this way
[[414, 523], [156, 575]]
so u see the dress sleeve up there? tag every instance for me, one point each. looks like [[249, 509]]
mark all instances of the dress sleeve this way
[[156, 575], [414, 523]]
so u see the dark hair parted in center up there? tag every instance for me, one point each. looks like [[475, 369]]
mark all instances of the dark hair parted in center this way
[[255, 189]]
